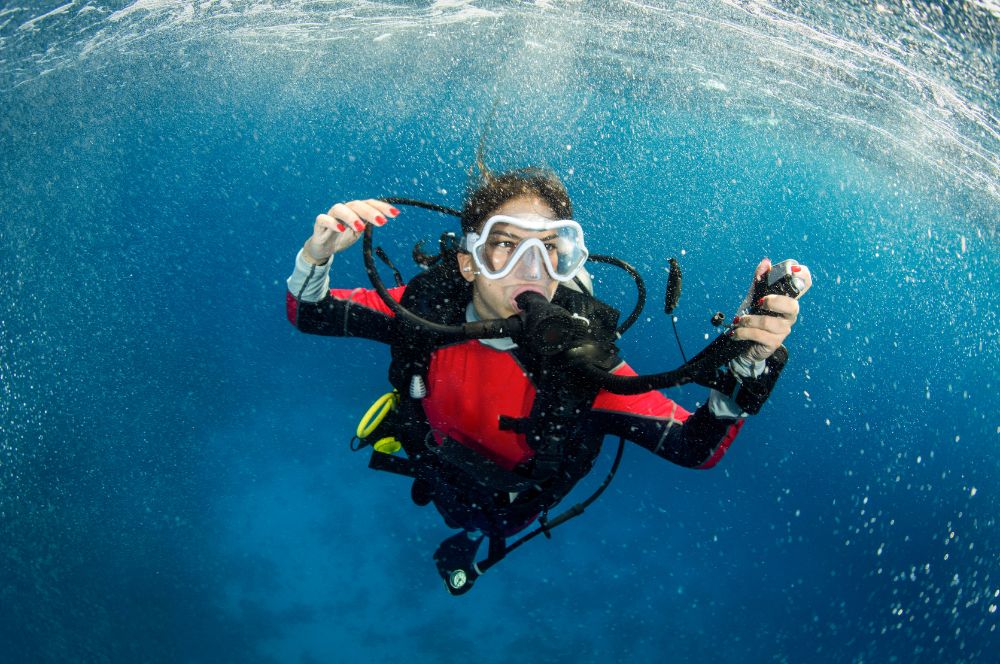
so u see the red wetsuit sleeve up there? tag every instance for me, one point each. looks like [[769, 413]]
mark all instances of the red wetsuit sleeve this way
[[696, 440], [647, 404], [368, 297]]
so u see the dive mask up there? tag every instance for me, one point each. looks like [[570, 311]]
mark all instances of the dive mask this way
[[527, 243]]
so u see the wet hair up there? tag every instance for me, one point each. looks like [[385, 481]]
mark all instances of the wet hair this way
[[491, 190]]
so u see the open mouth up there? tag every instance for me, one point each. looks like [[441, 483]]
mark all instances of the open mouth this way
[[524, 289]]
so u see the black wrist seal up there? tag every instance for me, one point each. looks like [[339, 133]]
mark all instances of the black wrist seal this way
[[751, 393]]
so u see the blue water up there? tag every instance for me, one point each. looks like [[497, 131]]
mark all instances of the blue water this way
[[175, 481]]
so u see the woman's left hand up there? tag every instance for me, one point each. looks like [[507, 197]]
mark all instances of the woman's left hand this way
[[767, 332]]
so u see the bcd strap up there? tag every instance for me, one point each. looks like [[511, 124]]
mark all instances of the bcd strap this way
[[479, 469], [555, 415], [425, 457]]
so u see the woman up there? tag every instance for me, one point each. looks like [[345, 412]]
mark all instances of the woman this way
[[498, 432]]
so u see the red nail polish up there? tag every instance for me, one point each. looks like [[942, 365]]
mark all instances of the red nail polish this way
[[759, 302], [796, 268], [380, 220], [341, 228], [358, 226], [736, 321], [393, 211]]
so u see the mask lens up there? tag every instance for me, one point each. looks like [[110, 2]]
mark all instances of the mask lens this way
[[569, 251], [497, 251]]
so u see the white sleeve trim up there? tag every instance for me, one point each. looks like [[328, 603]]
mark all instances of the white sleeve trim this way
[[309, 283], [723, 407]]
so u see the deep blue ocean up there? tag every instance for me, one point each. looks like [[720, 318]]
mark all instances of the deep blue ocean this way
[[175, 478]]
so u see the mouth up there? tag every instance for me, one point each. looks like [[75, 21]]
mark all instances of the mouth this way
[[524, 289]]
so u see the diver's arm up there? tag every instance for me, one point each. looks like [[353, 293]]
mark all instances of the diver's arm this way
[[695, 440], [701, 439], [313, 307]]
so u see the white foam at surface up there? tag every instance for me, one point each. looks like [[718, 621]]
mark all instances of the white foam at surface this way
[[149, 6], [989, 5], [30, 24], [871, 82], [715, 84]]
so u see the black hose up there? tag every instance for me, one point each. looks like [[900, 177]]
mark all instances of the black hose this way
[[456, 331], [397, 200], [702, 368], [484, 329], [640, 286], [677, 336], [384, 257]]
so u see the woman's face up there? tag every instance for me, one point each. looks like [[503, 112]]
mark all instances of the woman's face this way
[[494, 298]]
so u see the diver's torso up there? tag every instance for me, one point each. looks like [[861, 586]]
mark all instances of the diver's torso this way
[[470, 385]]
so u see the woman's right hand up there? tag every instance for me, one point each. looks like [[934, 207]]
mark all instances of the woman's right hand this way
[[342, 226]]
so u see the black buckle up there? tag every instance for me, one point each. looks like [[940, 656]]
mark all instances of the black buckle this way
[[516, 424]]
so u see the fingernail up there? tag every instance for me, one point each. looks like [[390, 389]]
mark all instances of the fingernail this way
[[393, 211], [796, 268], [341, 228], [759, 302], [380, 220], [358, 226], [736, 320]]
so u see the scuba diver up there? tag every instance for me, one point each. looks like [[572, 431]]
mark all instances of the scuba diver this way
[[504, 366]]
